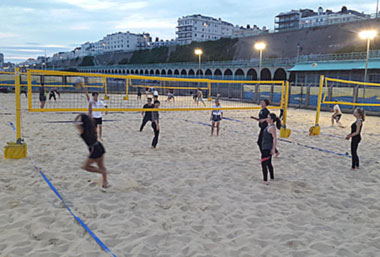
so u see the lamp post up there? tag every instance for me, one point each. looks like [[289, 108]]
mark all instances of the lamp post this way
[[199, 52], [367, 35], [260, 46]]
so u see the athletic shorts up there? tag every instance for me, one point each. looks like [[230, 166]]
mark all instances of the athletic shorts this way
[[96, 151], [170, 96], [139, 93], [337, 117], [42, 98], [216, 118], [98, 121], [195, 97]]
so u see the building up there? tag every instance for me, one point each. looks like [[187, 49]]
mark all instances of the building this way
[[1, 60], [201, 28], [248, 31], [125, 41], [328, 17], [286, 21]]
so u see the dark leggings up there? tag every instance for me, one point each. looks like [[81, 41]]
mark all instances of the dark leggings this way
[[266, 163], [156, 134], [52, 95], [354, 152], [145, 120]]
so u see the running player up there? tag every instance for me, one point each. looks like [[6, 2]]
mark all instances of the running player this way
[[268, 146], [96, 103], [42, 95], [337, 115], [216, 117], [52, 95], [356, 129], [87, 131], [155, 124], [147, 116], [171, 95]]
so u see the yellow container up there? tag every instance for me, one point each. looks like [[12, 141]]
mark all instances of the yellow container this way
[[315, 131], [285, 132], [15, 151]]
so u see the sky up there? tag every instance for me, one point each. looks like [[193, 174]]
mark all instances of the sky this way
[[28, 28]]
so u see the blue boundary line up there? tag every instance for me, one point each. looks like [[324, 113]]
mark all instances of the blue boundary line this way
[[92, 234], [288, 141]]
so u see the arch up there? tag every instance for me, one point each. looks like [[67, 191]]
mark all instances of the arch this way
[[146, 72], [141, 72], [183, 72], [132, 72], [163, 72], [228, 72], [265, 74], [199, 72], [157, 72], [239, 72], [217, 72], [208, 72], [279, 74], [176, 72], [191, 72], [151, 72], [170, 72], [136, 71], [252, 74]]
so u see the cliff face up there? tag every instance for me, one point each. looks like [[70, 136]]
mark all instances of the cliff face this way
[[320, 40]]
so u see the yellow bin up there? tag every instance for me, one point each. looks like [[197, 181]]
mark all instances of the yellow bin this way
[[285, 132], [15, 151]]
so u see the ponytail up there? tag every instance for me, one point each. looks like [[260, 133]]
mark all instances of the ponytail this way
[[276, 120]]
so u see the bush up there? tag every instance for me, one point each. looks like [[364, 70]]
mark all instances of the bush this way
[[155, 55]]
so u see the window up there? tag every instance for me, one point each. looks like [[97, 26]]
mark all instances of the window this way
[[195, 35], [128, 46]]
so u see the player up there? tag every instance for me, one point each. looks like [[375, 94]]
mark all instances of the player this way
[[138, 93], [216, 117], [87, 131], [337, 115], [52, 94], [171, 96], [355, 135], [147, 116], [200, 96], [155, 94], [155, 124], [95, 103], [268, 146], [42, 95]]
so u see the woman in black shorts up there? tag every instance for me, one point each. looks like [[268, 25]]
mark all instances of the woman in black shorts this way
[[216, 117], [87, 131]]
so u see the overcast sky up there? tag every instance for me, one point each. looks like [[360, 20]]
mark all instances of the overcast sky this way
[[28, 28]]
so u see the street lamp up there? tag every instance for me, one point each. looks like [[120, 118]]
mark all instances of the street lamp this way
[[367, 35], [260, 46], [199, 52]]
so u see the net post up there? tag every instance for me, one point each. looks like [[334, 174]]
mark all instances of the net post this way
[[29, 76], [285, 132], [209, 91], [316, 129], [16, 150], [126, 97], [106, 97]]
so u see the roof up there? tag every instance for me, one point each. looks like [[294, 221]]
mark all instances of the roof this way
[[336, 65]]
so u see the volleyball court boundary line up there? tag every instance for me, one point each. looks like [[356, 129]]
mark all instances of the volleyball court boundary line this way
[[92, 234]]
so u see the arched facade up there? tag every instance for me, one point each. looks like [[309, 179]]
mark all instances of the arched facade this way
[[252, 74], [217, 72], [265, 74], [279, 74]]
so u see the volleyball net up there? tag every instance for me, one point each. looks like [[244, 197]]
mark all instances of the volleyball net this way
[[348, 95], [67, 92]]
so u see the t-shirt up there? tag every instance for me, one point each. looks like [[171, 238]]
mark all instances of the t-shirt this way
[[217, 112], [155, 93], [97, 105], [148, 114], [337, 109], [263, 114], [42, 92]]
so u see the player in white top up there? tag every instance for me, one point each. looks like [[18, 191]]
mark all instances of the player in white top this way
[[200, 96], [95, 103], [216, 117], [337, 115]]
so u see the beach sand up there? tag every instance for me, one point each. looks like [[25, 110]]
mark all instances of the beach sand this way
[[194, 195]]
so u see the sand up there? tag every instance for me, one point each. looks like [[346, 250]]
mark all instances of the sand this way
[[195, 195]]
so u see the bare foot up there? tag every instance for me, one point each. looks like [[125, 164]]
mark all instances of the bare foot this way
[[276, 155], [266, 183]]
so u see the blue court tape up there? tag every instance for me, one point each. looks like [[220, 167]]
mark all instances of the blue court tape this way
[[288, 141], [230, 119], [105, 248]]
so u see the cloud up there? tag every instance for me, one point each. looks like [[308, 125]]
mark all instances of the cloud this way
[[7, 35], [102, 5], [28, 50]]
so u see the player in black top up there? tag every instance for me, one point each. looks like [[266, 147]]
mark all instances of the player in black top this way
[[87, 131], [356, 129], [155, 124], [262, 119], [147, 116], [42, 95]]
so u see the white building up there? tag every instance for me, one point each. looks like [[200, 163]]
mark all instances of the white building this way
[[239, 32], [202, 28], [328, 17], [99, 47], [125, 41], [1, 60]]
